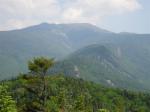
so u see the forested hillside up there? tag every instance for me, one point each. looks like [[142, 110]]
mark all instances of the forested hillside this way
[[36, 91], [123, 61], [67, 94], [60, 40], [104, 65], [74, 55]]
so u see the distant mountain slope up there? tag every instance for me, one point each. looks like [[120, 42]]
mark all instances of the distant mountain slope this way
[[99, 63], [51, 40], [126, 53]]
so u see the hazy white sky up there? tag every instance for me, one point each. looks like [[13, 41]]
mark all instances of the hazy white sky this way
[[114, 15]]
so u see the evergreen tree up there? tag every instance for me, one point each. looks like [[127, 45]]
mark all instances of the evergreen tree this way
[[7, 104], [38, 69]]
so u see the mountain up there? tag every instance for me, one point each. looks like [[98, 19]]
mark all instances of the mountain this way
[[101, 64], [51, 40], [115, 59]]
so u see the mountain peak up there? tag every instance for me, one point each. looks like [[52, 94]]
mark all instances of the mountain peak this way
[[42, 26], [50, 26]]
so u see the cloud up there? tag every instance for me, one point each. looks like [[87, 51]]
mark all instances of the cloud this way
[[21, 13]]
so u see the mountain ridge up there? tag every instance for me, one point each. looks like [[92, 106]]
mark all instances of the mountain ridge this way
[[46, 24], [131, 51], [99, 64]]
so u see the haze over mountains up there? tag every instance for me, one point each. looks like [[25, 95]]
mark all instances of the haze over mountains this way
[[114, 59]]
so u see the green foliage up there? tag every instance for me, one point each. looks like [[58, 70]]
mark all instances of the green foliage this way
[[40, 65], [99, 63], [66, 94], [79, 104], [7, 104], [52, 104], [39, 92], [38, 87], [104, 110]]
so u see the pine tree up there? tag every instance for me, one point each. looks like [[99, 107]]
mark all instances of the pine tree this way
[[38, 82]]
